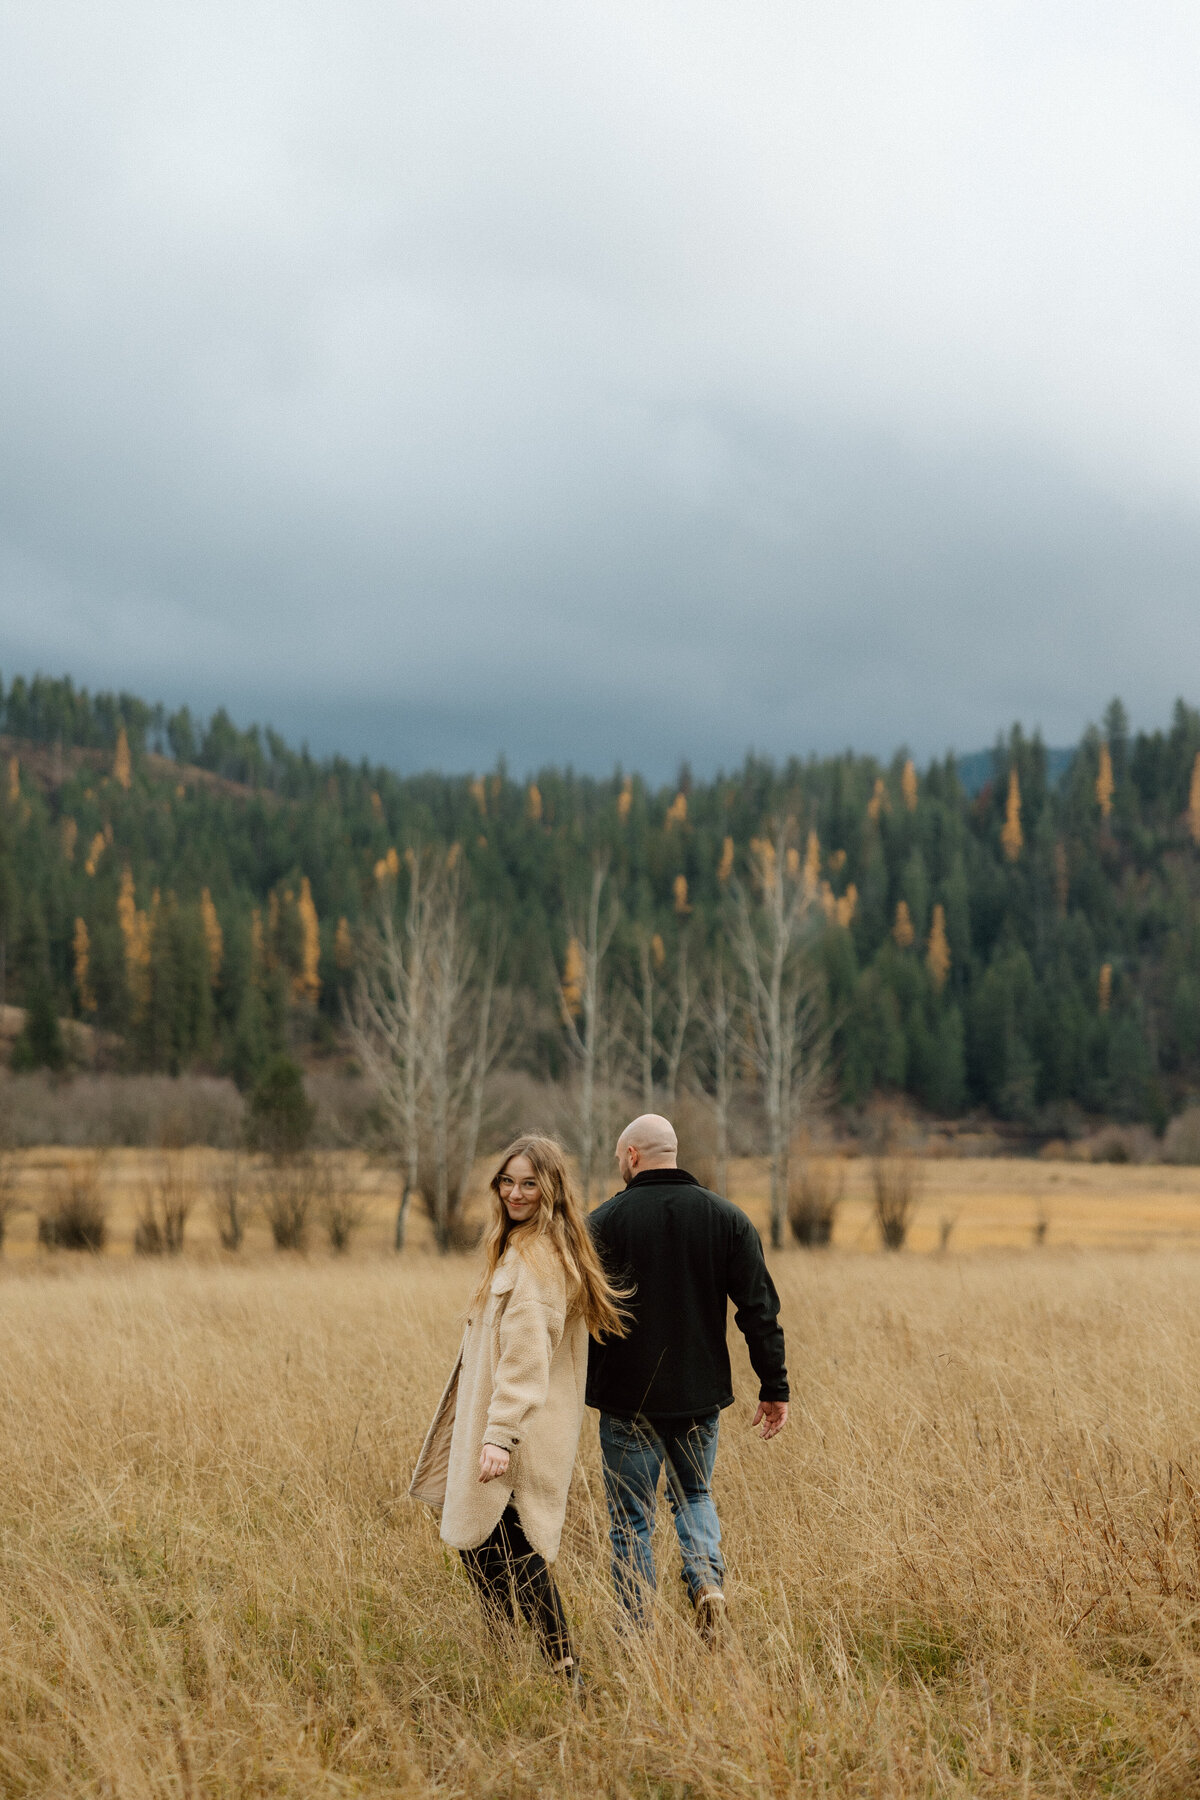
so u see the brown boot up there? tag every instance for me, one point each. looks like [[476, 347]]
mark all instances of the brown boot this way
[[710, 1615]]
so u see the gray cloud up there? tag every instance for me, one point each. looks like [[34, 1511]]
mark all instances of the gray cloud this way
[[606, 382]]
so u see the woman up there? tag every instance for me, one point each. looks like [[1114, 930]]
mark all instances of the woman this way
[[498, 1457]]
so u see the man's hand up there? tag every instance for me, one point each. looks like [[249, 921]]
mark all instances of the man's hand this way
[[493, 1461], [773, 1415]]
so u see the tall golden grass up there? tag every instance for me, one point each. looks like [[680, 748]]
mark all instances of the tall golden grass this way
[[970, 1565]]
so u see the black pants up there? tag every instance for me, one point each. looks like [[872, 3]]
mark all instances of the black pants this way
[[507, 1560]]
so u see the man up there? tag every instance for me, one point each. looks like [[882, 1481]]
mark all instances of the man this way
[[684, 1253]]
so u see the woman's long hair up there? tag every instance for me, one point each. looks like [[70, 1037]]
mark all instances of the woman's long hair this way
[[558, 1223]]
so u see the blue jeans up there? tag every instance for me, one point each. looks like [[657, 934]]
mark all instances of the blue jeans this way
[[633, 1452]]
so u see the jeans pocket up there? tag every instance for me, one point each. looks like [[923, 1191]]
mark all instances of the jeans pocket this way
[[626, 1434], [706, 1428]]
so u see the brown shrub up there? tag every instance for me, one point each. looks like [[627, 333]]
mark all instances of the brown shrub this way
[[815, 1190], [165, 1209], [288, 1194], [229, 1203], [341, 1210], [76, 1218], [896, 1190], [1122, 1144], [137, 1111], [9, 1194], [1181, 1142]]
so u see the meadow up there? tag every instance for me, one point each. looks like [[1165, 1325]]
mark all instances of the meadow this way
[[971, 1564], [975, 1203]]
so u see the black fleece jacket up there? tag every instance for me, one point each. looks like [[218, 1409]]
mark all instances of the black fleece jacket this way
[[685, 1252]]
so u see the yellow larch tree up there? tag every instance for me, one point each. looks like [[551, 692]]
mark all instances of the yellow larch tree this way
[[1193, 805], [847, 906], [681, 894], [96, 850], [625, 798], [1011, 835], [573, 979], [343, 944], [937, 957], [1104, 988], [908, 785], [812, 864], [122, 768], [762, 853], [388, 867], [376, 807], [306, 983], [136, 932], [902, 928], [677, 811], [1105, 783], [70, 834], [81, 948], [533, 802], [14, 780], [879, 802], [792, 862], [658, 950], [214, 940], [479, 794], [725, 866]]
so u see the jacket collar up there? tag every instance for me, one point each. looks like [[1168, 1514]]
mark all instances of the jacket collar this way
[[662, 1178]]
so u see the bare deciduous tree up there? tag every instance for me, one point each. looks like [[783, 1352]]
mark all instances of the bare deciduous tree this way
[[683, 999], [770, 931], [717, 1013], [385, 1015], [678, 991], [422, 1020], [583, 1009], [648, 949]]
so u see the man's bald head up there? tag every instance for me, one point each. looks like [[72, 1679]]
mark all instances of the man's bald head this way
[[648, 1142]]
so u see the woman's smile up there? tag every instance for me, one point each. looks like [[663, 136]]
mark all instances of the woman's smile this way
[[520, 1190]]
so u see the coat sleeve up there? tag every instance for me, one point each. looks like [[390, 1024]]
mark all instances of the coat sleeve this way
[[530, 1330], [757, 1316]]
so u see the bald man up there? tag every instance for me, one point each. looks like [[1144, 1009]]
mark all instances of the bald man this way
[[660, 1391]]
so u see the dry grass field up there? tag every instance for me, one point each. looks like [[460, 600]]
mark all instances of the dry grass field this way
[[989, 1203], [971, 1565]]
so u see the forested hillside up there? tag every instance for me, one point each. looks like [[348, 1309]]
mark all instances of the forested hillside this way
[[197, 893]]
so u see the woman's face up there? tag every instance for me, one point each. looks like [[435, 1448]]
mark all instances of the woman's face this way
[[519, 1189]]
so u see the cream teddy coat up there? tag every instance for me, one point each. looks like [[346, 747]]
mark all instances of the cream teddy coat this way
[[518, 1383]]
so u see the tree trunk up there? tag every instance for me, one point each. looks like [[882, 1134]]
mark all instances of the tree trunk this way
[[683, 1014], [647, 1010], [402, 1215]]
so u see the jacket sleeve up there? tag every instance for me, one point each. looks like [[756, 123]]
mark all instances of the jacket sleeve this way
[[530, 1330], [757, 1311]]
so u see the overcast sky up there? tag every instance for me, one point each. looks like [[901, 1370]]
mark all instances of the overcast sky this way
[[604, 382]]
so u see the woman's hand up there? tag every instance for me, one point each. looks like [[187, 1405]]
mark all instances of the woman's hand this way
[[492, 1462]]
